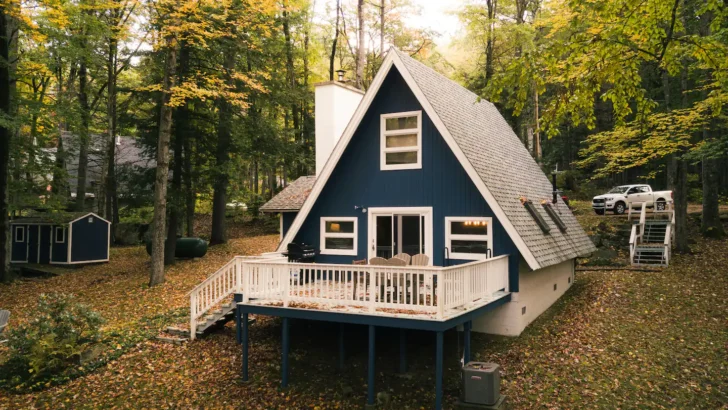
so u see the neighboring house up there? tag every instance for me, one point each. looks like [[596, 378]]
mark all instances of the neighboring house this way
[[416, 165], [60, 239], [130, 157]]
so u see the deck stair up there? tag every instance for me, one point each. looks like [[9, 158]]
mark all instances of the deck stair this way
[[651, 239]]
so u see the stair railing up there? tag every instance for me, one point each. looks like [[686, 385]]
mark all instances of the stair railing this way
[[638, 231], [220, 285]]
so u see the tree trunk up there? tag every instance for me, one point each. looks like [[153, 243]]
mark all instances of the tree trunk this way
[[83, 135], [332, 57], [360, 45], [381, 28], [489, 45], [189, 189], [681, 207], [711, 225], [222, 158], [112, 200], [160, 183], [5, 134], [174, 196]]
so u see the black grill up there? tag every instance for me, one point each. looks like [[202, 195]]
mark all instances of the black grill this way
[[598, 201], [300, 252]]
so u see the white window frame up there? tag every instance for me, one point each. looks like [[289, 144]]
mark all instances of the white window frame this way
[[324, 235], [449, 237], [15, 234], [383, 141], [55, 234]]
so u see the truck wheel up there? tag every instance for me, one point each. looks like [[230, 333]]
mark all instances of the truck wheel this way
[[619, 208], [660, 205], [599, 211]]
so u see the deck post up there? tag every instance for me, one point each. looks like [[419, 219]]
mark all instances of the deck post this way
[[438, 370], [467, 326], [342, 355], [284, 349], [244, 340], [371, 370], [402, 351], [372, 290]]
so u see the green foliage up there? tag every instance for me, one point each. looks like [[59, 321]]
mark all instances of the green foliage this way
[[51, 344]]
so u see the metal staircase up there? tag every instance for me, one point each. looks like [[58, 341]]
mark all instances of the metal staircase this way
[[650, 242]]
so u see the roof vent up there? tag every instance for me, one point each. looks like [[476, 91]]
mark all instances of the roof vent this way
[[535, 215], [340, 75], [554, 216]]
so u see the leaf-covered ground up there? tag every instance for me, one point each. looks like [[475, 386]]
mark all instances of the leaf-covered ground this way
[[618, 339]]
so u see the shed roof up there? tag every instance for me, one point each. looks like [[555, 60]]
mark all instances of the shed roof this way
[[292, 197], [59, 218]]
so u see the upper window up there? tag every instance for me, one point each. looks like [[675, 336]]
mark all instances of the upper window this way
[[469, 238], [338, 236], [19, 234], [401, 141], [60, 234]]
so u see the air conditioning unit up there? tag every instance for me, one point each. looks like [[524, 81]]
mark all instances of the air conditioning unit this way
[[481, 384]]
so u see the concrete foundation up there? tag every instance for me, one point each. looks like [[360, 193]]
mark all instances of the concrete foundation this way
[[538, 290]]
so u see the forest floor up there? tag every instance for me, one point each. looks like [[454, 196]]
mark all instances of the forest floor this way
[[617, 339]]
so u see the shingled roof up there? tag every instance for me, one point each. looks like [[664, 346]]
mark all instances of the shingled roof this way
[[503, 163], [292, 197], [495, 158]]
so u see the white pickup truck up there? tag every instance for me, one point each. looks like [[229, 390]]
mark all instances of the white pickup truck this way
[[618, 198]]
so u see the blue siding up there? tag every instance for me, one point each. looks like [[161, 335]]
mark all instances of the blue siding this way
[[288, 218], [442, 183], [89, 241], [60, 250], [19, 250]]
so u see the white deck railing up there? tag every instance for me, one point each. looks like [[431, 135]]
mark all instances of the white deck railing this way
[[436, 291]]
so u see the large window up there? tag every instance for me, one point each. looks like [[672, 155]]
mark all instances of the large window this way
[[401, 141], [469, 238], [338, 236]]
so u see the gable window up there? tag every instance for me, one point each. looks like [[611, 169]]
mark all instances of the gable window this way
[[338, 236], [60, 234], [401, 141], [19, 234], [469, 238]]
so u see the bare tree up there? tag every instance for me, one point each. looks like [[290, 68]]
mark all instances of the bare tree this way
[[360, 52], [332, 58], [5, 134]]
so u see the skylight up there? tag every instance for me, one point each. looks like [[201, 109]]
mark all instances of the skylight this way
[[554, 216], [536, 216]]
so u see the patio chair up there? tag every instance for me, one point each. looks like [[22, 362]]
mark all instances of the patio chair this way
[[424, 287], [4, 317], [378, 261], [404, 256], [420, 260]]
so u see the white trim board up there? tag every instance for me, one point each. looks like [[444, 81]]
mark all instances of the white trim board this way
[[393, 59]]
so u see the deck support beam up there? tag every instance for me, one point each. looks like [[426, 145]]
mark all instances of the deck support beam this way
[[467, 327], [438, 370], [243, 320], [284, 353], [342, 352], [402, 351], [371, 370]]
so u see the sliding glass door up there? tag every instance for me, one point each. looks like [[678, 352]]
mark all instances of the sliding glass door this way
[[400, 230]]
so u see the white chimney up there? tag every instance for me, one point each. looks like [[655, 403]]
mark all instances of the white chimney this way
[[335, 105]]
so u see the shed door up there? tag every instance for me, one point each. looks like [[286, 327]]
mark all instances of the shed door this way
[[33, 244], [44, 253]]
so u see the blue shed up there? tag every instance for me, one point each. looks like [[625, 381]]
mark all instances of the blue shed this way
[[60, 239]]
